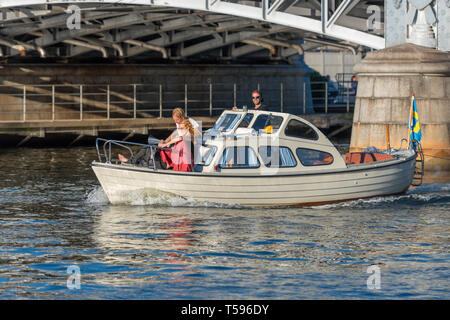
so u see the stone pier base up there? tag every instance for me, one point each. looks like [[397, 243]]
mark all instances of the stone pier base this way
[[386, 81]]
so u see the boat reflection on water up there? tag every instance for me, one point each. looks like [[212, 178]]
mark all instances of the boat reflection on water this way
[[143, 233], [187, 243], [204, 238]]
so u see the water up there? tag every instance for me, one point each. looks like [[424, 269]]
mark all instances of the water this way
[[55, 218]]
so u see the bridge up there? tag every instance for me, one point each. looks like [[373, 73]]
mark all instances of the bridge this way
[[177, 29], [39, 38]]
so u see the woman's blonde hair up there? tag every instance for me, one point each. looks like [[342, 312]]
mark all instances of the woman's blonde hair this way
[[179, 113], [188, 125]]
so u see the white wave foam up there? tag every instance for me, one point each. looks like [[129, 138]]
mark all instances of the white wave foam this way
[[425, 193], [151, 198], [97, 196]]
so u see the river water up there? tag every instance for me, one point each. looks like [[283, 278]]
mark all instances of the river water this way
[[61, 239]]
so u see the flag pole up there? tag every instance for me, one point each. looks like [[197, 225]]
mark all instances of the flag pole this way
[[409, 119], [388, 140]]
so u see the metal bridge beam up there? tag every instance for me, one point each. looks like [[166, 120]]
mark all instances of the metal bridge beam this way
[[343, 8], [232, 38], [267, 12], [190, 34], [117, 22]]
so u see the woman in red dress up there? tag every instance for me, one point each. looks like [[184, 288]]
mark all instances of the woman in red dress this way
[[180, 157]]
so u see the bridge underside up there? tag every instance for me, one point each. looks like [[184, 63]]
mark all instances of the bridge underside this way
[[208, 30]]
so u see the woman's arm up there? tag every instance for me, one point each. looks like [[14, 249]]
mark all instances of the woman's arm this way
[[172, 141], [171, 136]]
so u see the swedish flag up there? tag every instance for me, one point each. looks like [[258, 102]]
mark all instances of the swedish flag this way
[[416, 133]]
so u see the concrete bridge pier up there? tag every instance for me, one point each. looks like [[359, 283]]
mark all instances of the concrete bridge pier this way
[[387, 79]]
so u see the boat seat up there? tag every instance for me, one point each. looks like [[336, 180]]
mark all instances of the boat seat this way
[[365, 157]]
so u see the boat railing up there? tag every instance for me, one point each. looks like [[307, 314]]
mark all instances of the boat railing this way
[[106, 156], [107, 148]]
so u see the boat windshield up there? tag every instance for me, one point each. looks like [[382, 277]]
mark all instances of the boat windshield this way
[[227, 122], [267, 120], [246, 121]]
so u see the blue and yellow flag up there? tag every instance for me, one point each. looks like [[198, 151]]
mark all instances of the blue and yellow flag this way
[[414, 125]]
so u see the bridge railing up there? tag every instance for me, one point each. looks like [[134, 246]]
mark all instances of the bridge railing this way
[[54, 102]]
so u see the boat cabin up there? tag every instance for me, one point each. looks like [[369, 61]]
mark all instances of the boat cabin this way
[[249, 142]]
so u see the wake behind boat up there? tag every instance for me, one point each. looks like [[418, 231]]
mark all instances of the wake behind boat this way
[[261, 158]]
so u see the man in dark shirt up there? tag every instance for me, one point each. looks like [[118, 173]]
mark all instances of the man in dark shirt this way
[[257, 101]]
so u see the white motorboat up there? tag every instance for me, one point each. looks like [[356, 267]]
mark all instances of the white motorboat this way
[[261, 158]]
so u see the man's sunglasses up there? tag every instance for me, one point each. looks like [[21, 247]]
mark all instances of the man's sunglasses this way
[[257, 97]]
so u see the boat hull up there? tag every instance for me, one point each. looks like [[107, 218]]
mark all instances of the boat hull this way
[[303, 189]]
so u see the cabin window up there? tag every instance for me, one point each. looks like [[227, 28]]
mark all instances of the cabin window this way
[[309, 157], [239, 157], [277, 157], [227, 122], [265, 120], [246, 121], [299, 129]]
